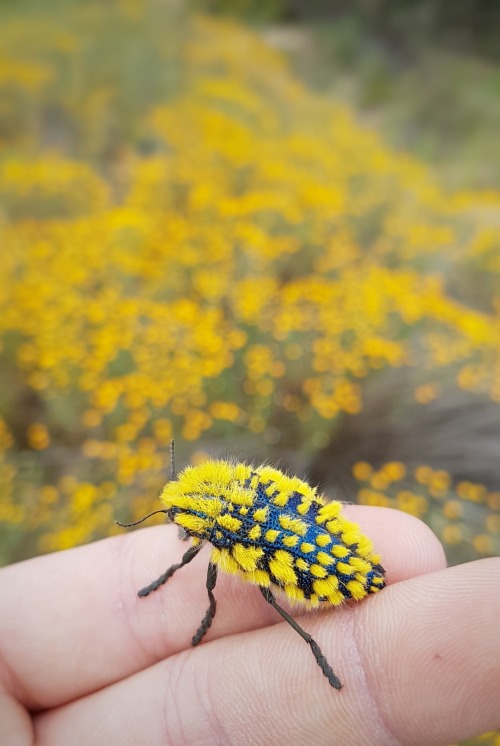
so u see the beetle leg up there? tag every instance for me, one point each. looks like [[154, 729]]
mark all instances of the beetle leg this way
[[320, 658], [187, 557], [207, 619]]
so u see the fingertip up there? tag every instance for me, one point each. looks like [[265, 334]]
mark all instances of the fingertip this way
[[408, 546], [436, 638]]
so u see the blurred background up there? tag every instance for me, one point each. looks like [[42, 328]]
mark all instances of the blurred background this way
[[270, 230]]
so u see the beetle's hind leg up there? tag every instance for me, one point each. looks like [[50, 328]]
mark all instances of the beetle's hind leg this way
[[316, 650], [208, 618], [187, 557]]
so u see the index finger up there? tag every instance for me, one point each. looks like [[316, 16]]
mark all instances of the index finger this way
[[77, 612]]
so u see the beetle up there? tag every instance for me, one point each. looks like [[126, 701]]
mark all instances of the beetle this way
[[269, 529]]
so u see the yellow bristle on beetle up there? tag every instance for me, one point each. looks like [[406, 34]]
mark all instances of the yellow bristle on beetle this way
[[270, 530]]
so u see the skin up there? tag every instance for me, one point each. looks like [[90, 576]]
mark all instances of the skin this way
[[84, 661]]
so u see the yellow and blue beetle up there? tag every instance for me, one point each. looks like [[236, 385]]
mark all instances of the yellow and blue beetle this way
[[270, 530]]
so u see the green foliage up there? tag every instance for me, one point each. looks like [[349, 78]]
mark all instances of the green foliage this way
[[255, 10], [465, 25]]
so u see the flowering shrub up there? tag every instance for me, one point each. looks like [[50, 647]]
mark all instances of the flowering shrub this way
[[246, 257]]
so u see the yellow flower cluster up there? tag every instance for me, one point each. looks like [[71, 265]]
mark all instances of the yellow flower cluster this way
[[431, 494], [245, 255]]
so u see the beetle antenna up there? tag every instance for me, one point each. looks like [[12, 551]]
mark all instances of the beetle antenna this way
[[172, 460], [128, 525]]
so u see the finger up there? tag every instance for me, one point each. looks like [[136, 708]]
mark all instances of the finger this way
[[420, 664], [78, 610], [408, 547]]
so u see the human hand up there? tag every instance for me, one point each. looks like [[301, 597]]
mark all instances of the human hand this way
[[83, 660]]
